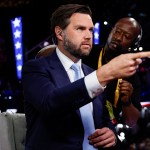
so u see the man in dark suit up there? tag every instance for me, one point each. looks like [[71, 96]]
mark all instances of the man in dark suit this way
[[53, 99]]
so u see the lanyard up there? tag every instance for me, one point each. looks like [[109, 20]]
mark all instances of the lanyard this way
[[116, 97]]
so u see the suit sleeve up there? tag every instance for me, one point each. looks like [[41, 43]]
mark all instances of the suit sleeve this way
[[42, 90]]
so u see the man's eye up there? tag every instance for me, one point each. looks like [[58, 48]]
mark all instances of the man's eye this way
[[126, 37], [79, 29]]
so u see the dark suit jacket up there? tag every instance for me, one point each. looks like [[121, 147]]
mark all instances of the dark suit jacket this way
[[52, 103]]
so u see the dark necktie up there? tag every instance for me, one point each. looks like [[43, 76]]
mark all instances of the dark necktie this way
[[86, 115]]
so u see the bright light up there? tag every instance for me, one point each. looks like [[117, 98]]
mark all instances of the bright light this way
[[140, 48], [121, 136], [11, 111], [46, 43], [105, 23]]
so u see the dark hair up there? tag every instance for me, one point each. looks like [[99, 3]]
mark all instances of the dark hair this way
[[61, 16]]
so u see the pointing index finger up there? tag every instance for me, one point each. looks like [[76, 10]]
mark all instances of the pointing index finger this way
[[140, 55]]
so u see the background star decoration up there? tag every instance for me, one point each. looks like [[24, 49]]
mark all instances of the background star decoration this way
[[96, 33], [16, 22], [17, 34], [18, 45], [17, 41], [18, 56]]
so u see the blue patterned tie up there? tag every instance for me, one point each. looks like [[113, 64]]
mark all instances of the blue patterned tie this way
[[86, 115]]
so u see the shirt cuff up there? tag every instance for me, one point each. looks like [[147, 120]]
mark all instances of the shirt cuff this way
[[92, 85]]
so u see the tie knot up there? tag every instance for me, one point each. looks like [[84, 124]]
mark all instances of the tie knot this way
[[75, 67]]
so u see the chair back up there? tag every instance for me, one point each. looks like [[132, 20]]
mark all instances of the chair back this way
[[12, 131], [47, 50]]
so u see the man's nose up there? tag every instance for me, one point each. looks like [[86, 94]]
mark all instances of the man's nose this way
[[119, 36], [88, 34]]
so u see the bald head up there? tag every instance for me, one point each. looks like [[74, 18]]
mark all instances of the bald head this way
[[132, 25], [125, 35]]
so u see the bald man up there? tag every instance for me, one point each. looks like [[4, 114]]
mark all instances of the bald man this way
[[123, 93]]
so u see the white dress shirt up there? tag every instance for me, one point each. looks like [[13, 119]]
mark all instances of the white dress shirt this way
[[91, 81]]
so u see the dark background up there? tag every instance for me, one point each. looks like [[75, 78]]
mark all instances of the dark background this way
[[36, 28]]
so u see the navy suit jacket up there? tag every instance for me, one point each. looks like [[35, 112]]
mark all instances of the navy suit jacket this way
[[52, 105]]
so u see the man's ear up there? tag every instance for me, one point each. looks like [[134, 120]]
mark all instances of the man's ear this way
[[58, 31]]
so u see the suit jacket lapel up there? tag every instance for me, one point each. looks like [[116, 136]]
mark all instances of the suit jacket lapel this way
[[57, 69]]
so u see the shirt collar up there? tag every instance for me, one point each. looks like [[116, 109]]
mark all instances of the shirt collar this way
[[66, 62]]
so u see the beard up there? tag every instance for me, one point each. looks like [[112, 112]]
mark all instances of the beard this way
[[73, 49]]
